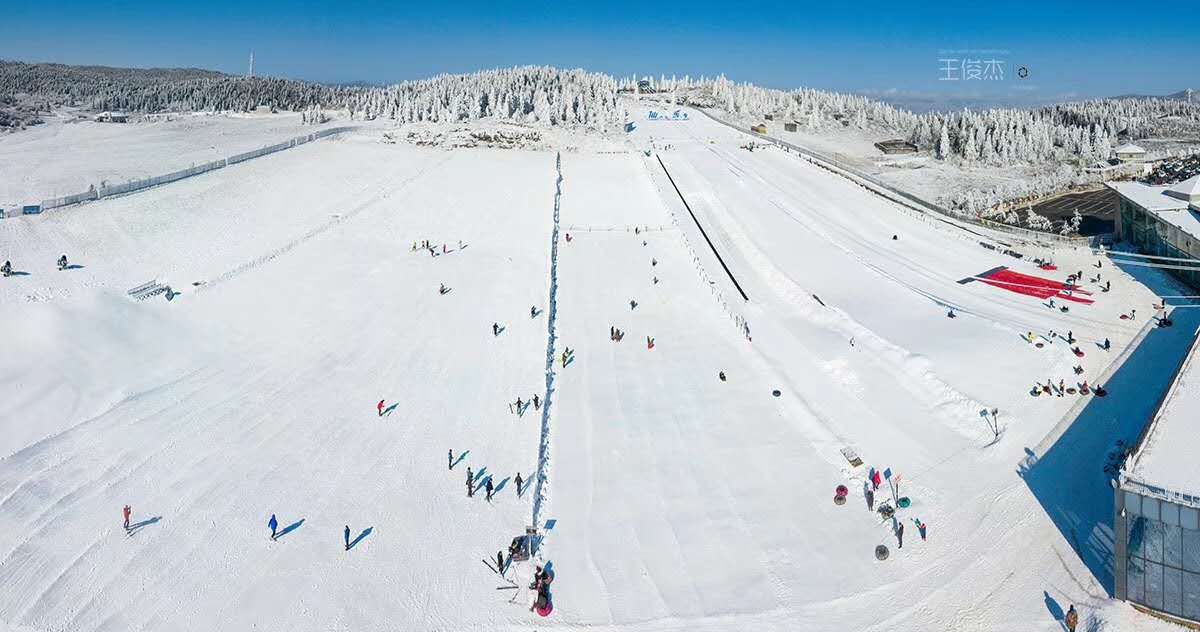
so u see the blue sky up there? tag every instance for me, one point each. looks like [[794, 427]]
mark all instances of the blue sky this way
[[1070, 51]]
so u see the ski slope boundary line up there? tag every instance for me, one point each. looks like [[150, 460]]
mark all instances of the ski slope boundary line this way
[[284, 249], [539, 495], [704, 234]]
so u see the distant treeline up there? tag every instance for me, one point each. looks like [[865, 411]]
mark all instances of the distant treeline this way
[[533, 94], [102, 88]]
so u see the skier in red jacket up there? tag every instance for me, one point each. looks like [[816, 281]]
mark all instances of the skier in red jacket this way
[[380, 408], [126, 512]]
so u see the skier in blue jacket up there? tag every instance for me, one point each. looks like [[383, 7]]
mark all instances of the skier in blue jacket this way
[[273, 524]]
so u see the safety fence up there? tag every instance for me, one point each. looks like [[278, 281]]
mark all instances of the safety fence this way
[[145, 183], [905, 198], [540, 490], [641, 228]]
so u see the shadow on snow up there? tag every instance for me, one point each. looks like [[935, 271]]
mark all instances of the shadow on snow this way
[[1069, 478]]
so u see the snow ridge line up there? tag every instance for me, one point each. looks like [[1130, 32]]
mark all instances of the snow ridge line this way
[[539, 496]]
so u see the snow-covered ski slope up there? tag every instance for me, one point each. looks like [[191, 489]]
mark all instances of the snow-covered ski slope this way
[[678, 501]]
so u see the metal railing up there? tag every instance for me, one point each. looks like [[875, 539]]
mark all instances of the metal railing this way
[[145, 183]]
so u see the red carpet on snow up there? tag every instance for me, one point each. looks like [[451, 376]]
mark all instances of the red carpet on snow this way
[[1033, 286]]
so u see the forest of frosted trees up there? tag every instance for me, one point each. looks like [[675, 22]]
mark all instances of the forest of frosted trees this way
[[1055, 141], [531, 94]]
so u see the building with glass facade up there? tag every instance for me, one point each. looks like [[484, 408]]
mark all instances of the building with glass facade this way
[[1156, 524], [1162, 221]]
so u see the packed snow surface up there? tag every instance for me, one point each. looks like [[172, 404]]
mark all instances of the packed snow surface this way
[[672, 499], [70, 152]]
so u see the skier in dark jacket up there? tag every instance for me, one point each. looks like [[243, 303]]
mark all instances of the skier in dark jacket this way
[[273, 524], [488, 487], [346, 536], [470, 483], [500, 561], [900, 536], [62, 262], [519, 484], [6, 269], [1072, 618]]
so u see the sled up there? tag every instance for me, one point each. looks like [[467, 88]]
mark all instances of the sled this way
[[1035, 392], [1070, 390], [839, 500], [851, 457], [1124, 316], [841, 490], [1078, 352], [545, 610], [1049, 266], [1039, 345], [881, 552], [903, 502]]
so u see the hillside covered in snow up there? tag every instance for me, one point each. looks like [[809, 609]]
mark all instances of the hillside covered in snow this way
[[334, 382]]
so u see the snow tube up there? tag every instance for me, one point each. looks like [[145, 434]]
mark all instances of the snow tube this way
[[903, 502], [1038, 345], [776, 393], [881, 552], [1070, 390], [546, 609], [841, 490]]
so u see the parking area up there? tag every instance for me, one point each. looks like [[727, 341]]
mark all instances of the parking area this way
[[1098, 209]]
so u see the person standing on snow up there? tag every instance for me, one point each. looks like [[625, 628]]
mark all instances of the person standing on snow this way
[[537, 403], [273, 524], [470, 483], [346, 537], [1107, 344], [533, 312], [450, 459], [126, 511], [900, 536], [870, 494], [495, 329], [379, 408], [488, 487], [519, 484], [1072, 618], [500, 562]]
